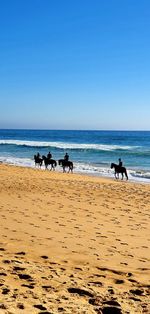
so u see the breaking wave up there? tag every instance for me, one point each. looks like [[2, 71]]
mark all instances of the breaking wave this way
[[62, 145]]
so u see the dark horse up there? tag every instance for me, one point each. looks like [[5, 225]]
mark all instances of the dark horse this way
[[49, 161], [118, 170], [38, 160], [66, 164]]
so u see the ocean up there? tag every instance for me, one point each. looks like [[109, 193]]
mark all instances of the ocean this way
[[91, 151]]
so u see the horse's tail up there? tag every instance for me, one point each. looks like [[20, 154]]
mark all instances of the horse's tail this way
[[126, 174], [71, 166]]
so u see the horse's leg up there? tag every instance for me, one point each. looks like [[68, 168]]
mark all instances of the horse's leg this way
[[126, 175], [52, 167], [122, 176], [116, 175]]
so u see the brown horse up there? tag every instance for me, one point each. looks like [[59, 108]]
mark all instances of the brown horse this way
[[66, 164], [118, 170], [38, 161], [49, 161]]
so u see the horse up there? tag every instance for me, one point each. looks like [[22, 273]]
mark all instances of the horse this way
[[38, 161], [118, 170], [49, 161], [66, 164]]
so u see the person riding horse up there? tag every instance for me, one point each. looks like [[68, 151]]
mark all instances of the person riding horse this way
[[49, 161], [119, 169], [38, 160], [66, 157], [120, 162], [49, 155], [38, 155]]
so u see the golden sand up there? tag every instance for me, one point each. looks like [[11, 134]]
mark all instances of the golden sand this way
[[73, 244]]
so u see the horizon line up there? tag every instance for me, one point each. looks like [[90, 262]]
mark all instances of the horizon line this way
[[109, 130]]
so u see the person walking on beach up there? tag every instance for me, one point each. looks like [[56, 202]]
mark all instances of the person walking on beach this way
[[66, 157], [120, 162], [49, 155]]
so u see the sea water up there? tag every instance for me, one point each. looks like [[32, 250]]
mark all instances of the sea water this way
[[91, 151]]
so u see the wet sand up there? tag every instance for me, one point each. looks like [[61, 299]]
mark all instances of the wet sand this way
[[73, 244]]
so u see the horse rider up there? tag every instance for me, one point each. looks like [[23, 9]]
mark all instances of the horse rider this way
[[49, 155], [38, 155], [120, 162], [66, 157]]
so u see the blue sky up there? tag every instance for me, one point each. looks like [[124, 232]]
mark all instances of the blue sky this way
[[80, 64]]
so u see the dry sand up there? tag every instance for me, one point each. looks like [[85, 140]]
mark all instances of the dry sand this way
[[72, 243]]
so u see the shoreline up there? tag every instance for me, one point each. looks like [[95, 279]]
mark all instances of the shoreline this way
[[138, 180], [61, 231]]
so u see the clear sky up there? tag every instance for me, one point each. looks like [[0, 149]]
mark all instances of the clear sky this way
[[75, 64]]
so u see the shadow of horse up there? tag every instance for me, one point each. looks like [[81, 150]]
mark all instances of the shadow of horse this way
[[118, 170], [66, 164], [38, 161], [49, 161]]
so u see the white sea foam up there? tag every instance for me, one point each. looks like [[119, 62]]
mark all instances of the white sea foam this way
[[66, 145], [144, 175], [25, 162]]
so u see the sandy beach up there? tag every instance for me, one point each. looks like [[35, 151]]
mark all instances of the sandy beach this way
[[72, 243]]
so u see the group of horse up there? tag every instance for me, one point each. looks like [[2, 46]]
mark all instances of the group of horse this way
[[53, 163], [69, 164]]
